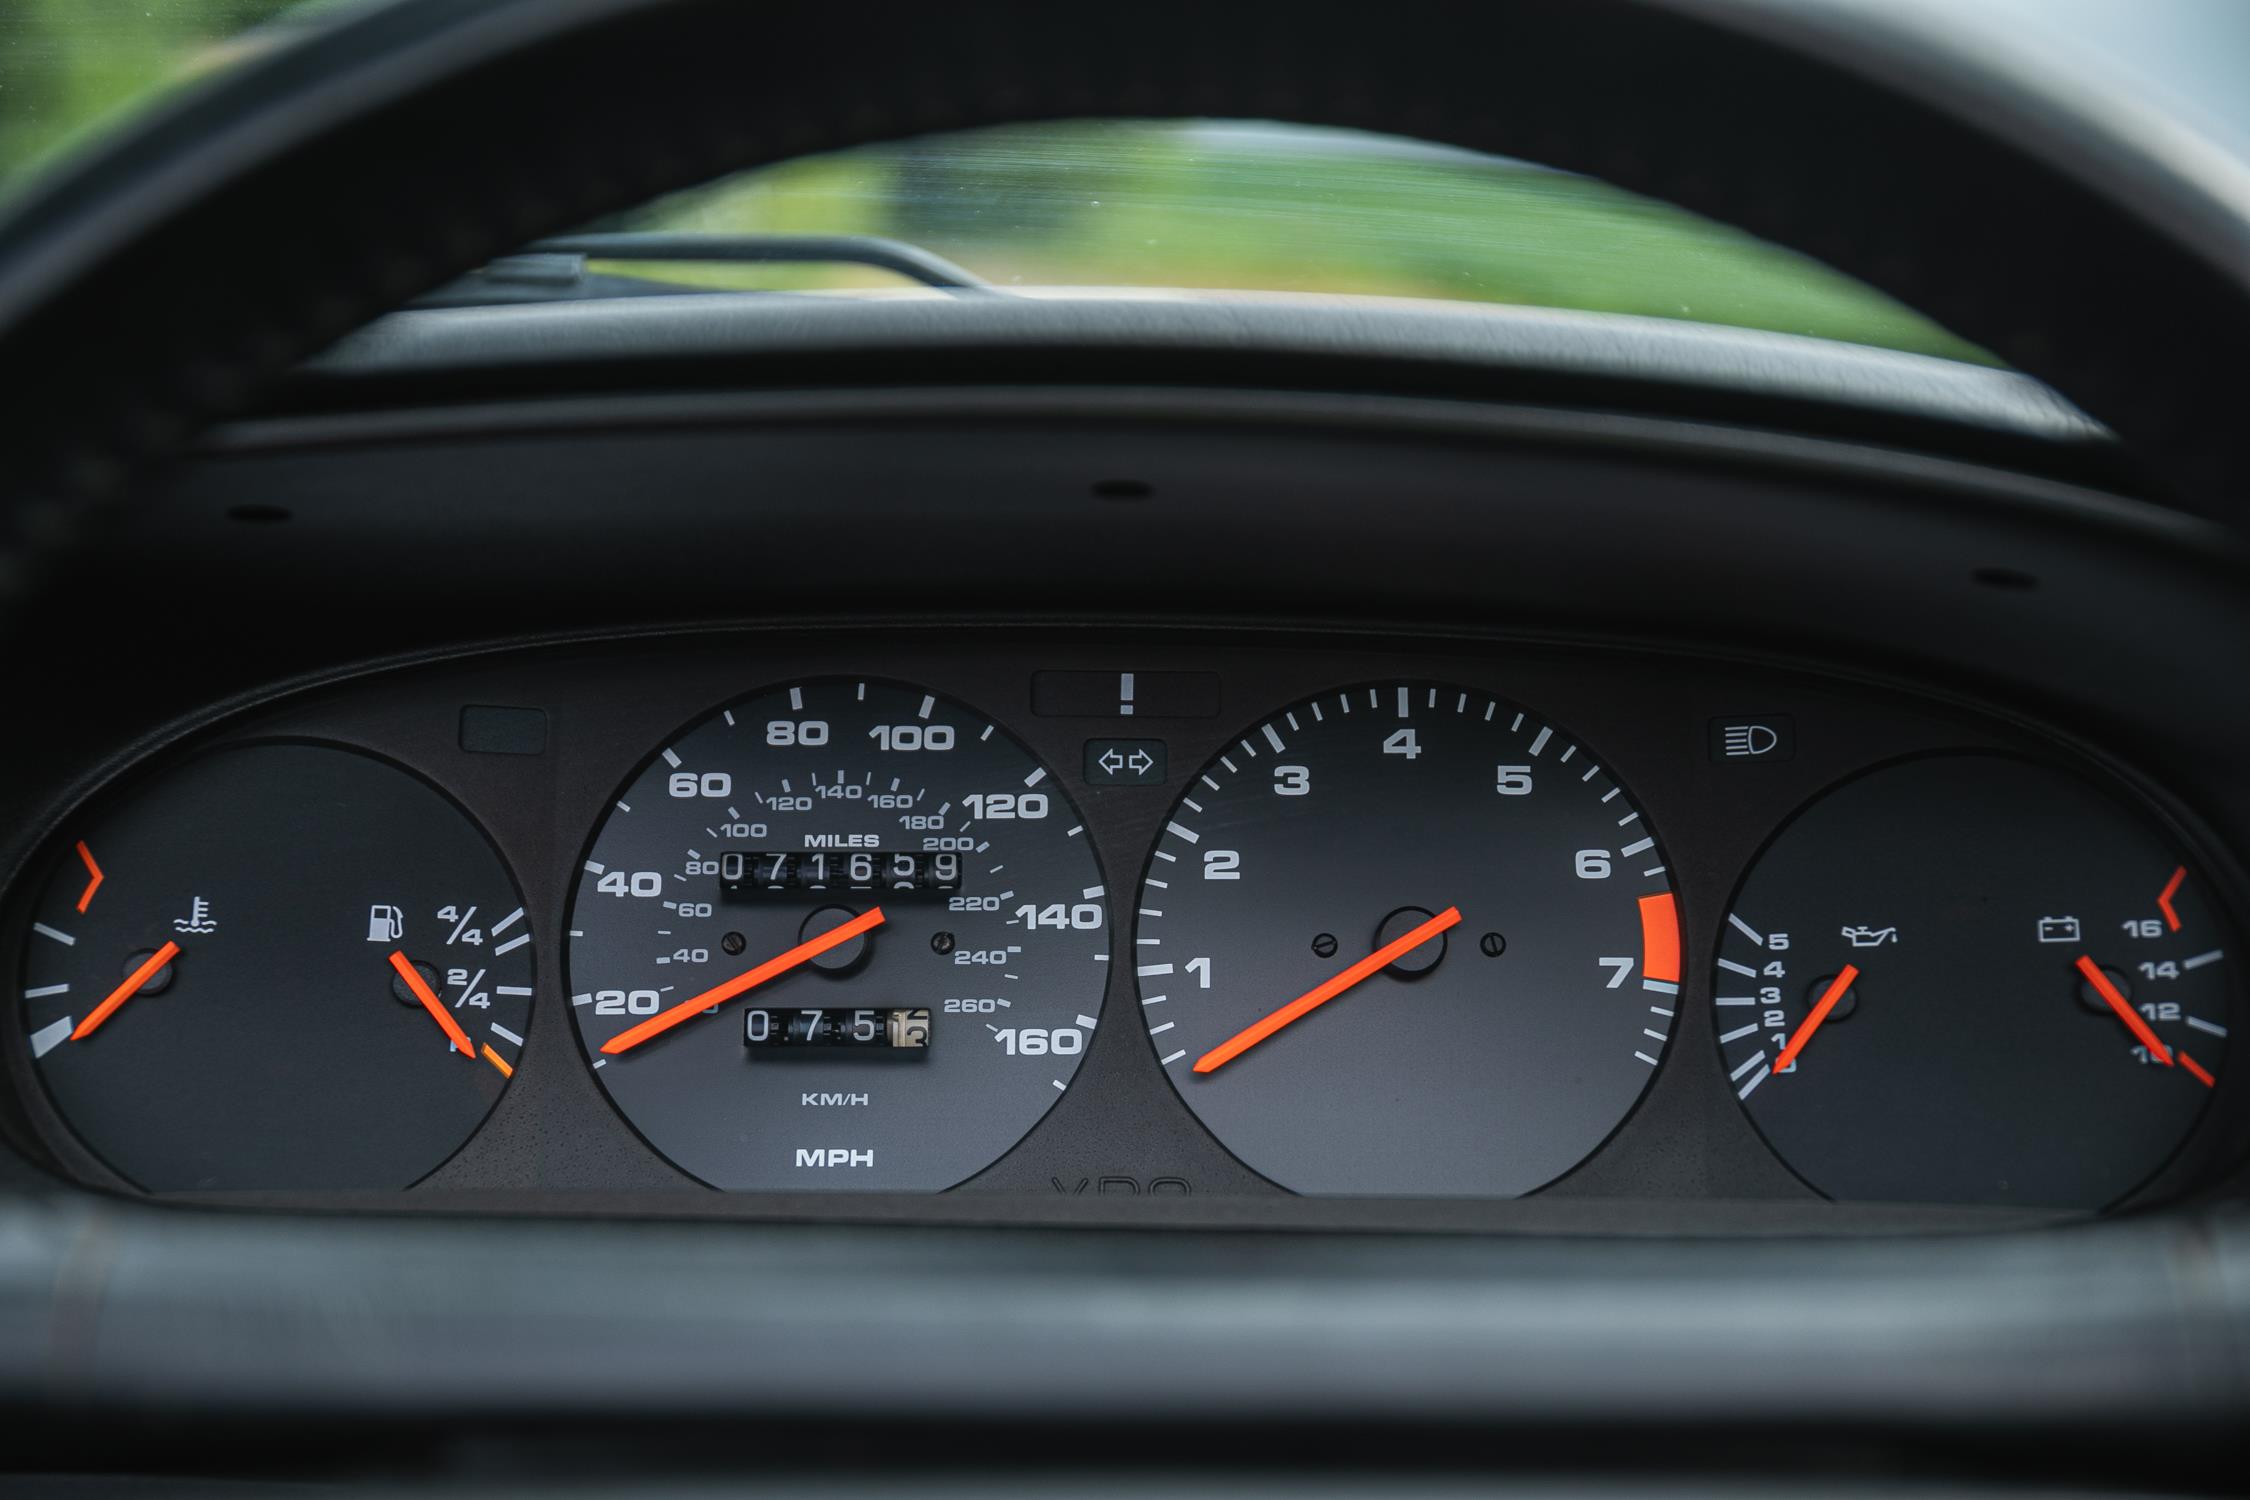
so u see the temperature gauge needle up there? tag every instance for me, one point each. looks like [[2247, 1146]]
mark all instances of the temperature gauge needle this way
[[1382, 958], [1821, 1007], [431, 1003], [126, 991], [2124, 1008], [750, 979]]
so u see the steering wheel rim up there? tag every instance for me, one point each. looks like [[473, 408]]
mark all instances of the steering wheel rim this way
[[155, 287]]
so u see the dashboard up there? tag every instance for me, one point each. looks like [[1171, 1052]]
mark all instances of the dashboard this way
[[1068, 921], [1117, 888]]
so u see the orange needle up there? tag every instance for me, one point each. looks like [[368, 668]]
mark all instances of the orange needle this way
[[431, 1003], [126, 991], [1820, 1010], [1382, 958], [2124, 1009], [772, 968]]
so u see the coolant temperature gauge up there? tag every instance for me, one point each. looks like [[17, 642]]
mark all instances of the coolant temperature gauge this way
[[1972, 979], [276, 966]]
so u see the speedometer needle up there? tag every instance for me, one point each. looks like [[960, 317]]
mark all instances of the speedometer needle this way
[[1382, 958], [1821, 1007], [750, 979]]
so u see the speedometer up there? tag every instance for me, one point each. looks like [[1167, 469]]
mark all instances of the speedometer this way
[[840, 935]]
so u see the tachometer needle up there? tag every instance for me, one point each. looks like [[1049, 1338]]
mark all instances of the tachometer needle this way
[[2125, 1012], [1821, 1007], [749, 979], [1382, 958], [432, 1004], [126, 991]]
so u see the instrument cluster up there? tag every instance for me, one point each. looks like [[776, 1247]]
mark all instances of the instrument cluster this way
[[1033, 916]]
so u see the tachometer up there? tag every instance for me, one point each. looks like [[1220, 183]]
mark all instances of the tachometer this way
[[843, 934], [1973, 979], [1408, 939]]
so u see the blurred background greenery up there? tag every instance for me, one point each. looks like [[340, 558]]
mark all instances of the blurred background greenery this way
[[1217, 206]]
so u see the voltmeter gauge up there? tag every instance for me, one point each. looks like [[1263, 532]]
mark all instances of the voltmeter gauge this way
[[1973, 979], [841, 935], [276, 966]]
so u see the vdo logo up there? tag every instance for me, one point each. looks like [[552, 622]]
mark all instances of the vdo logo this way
[[1124, 1187]]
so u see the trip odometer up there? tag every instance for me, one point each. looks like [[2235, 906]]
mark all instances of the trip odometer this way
[[1408, 939], [840, 935]]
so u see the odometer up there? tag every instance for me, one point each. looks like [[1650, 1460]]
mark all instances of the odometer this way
[[1408, 939], [893, 905]]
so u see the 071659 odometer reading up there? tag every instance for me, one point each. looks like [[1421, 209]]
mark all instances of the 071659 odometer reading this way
[[844, 934]]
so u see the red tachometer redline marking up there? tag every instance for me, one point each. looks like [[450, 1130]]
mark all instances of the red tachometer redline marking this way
[[1660, 938], [2164, 902], [2202, 1075], [86, 897]]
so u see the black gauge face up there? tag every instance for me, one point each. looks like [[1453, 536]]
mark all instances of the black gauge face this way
[[1971, 979], [278, 966], [1408, 939], [840, 935]]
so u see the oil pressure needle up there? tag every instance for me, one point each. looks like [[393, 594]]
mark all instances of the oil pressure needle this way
[[1382, 958], [749, 979], [1821, 1007], [431, 1003]]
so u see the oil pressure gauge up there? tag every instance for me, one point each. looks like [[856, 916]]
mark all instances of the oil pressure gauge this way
[[1973, 979]]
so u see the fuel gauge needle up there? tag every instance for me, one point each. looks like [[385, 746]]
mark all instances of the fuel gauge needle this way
[[431, 1003], [126, 991], [1837, 988]]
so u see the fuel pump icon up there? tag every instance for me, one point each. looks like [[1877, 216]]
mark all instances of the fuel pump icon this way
[[385, 924]]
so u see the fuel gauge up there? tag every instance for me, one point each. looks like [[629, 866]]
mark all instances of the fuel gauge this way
[[276, 966], [1973, 979]]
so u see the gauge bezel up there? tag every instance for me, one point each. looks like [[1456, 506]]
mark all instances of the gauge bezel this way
[[579, 872], [51, 1124], [2223, 913], [1415, 683]]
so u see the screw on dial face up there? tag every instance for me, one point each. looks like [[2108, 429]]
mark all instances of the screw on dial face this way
[[1407, 938]]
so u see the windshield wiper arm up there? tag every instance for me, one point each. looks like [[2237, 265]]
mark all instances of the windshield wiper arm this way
[[555, 269]]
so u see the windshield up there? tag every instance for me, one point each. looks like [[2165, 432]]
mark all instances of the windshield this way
[[1235, 207], [1207, 208]]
